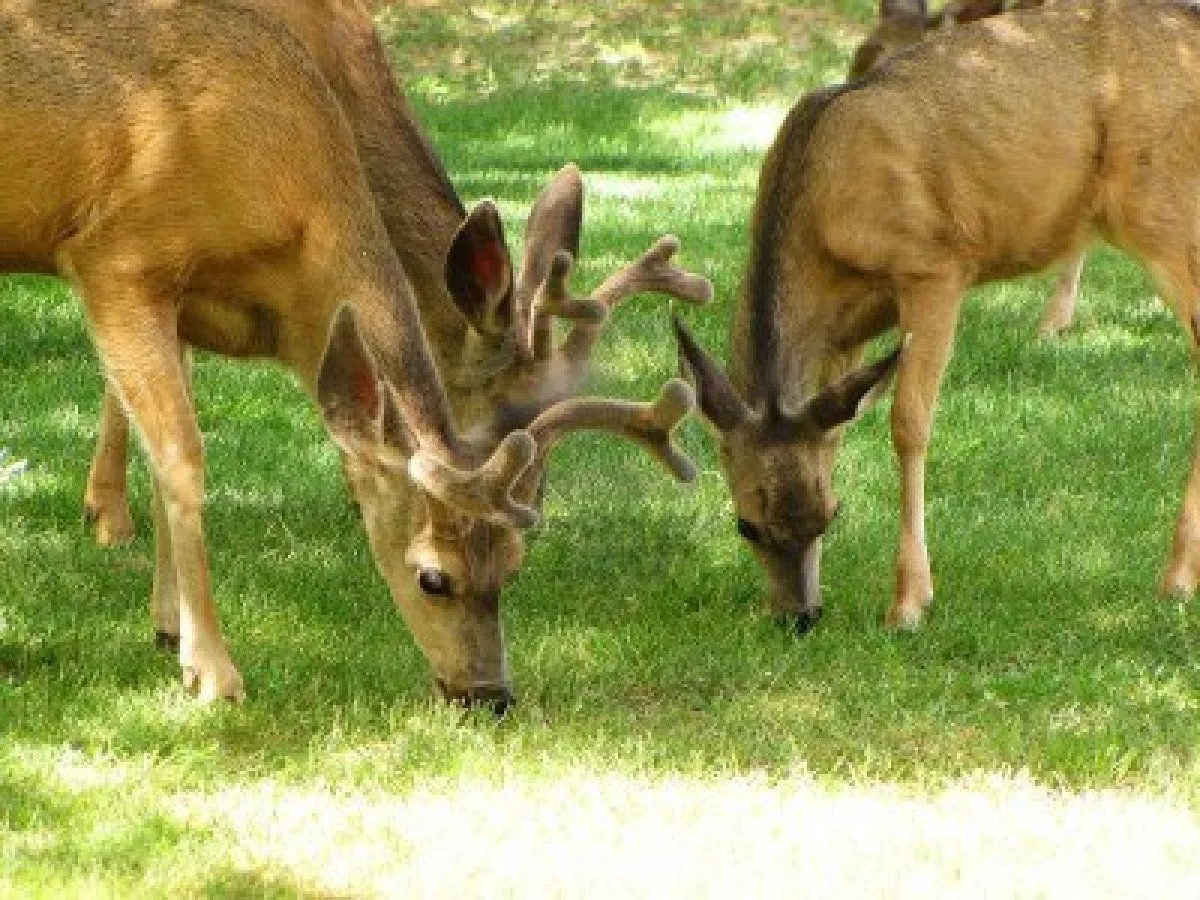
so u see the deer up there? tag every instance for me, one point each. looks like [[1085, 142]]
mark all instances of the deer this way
[[982, 153], [904, 22], [191, 173]]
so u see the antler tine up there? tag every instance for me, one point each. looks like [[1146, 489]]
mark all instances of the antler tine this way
[[650, 424], [653, 271], [486, 492], [554, 298]]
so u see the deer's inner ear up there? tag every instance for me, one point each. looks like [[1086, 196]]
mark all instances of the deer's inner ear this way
[[348, 390], [479, 271]]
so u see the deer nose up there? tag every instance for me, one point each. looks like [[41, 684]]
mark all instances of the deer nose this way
[[498, 698], [807, 620], [801, 622]]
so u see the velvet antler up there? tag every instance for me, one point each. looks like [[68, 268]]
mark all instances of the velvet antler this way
[[649, 424]]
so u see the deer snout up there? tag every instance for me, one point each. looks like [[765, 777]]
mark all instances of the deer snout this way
[[801, 622], [498, 698], [796, 589]]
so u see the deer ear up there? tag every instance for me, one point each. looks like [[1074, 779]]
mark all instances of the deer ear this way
[[718, 400], [554, 224], [348, 390], [909, 13], [852, 395], [479, 271], [393, 429]]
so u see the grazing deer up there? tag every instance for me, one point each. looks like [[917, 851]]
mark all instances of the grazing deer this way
[[188, 169], [904, 22], [984, 153]]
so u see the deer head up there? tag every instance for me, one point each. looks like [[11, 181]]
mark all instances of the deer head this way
[[443, 551], [779, 467]]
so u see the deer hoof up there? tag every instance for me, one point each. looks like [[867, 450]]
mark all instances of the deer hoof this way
[[112, 525], [166, 642], [905, 616], [1177, 583], [213, 679], [1049, 329]]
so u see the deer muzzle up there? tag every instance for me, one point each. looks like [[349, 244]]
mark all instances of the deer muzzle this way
[[497, 698], [796, 589]]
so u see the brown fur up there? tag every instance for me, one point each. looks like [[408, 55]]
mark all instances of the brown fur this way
[[903, 23], [471, 329], [986, 152], [186, 167]]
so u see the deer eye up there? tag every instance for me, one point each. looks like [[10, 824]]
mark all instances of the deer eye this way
[[748, 530], [434, 582]]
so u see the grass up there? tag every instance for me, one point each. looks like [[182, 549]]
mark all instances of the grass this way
[[1037, 737]]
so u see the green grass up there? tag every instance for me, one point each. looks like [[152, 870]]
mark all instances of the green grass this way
[[1037, 737]]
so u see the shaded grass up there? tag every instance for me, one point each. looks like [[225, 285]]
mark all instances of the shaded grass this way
[[636, 633]]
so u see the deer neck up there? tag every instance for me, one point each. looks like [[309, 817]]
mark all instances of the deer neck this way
[[416, 201], [794, 355]]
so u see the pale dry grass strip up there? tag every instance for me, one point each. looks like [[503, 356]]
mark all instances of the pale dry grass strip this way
[[609, 836]]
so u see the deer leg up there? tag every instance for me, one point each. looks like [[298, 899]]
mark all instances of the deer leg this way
[[105, 504], [164, 599], [139, 346], [1183, 565], [1060, 310], [929, 316], [1182, 570]]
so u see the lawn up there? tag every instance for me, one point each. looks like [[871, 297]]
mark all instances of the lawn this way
[[1037, 738]]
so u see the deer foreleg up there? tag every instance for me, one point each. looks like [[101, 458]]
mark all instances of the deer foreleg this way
[[929, 314], [139, 347]]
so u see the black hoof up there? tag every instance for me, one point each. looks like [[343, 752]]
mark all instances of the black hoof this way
[[168, 643]]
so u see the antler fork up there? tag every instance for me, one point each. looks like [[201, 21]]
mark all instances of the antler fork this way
[[649, 424]]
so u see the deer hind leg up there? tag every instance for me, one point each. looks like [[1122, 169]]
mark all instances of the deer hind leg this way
[[135, 334], [929, 314], [1060, 311], [1182, 571], [105, 504]]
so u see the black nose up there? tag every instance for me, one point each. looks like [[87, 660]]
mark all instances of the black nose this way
[[498, 699], [801, 622]]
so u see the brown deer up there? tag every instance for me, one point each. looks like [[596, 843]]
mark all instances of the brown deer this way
[[188, 169], [904, 22], [987, 152]]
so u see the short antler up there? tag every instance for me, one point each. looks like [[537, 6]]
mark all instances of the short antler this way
[[545, 372], [486, 492], [650, 424], [553, 299]]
